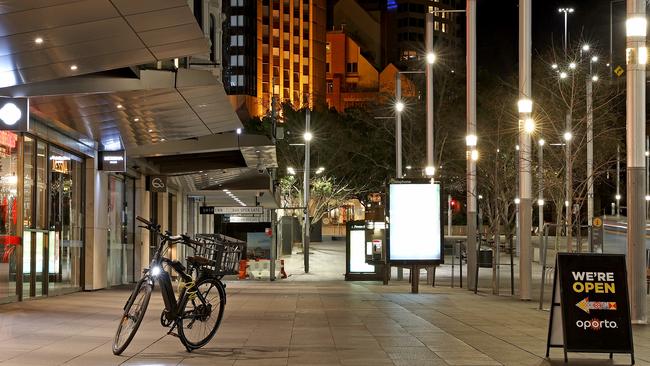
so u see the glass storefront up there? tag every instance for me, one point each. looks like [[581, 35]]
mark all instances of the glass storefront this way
[[52, 240], [121, 231], [9, 241]]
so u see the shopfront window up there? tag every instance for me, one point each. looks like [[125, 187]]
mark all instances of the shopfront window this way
[[120, 230], [65, 220], [9, 240]]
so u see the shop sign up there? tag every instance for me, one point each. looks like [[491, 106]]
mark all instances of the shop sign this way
[[112, 161], [238, 210], [157, 183], [14, 114], [593, 312], [242, 219], [206, 210], [60, 164]]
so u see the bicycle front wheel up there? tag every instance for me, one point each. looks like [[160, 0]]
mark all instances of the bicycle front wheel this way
[[134, 312], [202, 313]]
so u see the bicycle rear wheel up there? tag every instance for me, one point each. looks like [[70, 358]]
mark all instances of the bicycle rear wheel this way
[[134, 312], [202, 313]]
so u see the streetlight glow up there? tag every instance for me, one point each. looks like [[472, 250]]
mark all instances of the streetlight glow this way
[[239, 131], [594, 78], [540, 202], [399, 106], [541, 142], [431, 58], [429, 171], [554, 66], [563, 75], [320, 170], [471, 140], [529, 125], [291, 171], [525, 106], [308, 136], [568, 136], [517, 201], [618, 197], [594, 58], [585, 47], [572, 65], [474, 155], [636, 27], [647, 197]]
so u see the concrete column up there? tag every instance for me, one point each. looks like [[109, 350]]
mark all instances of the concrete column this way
[[471, 145], [141, 245], [96, 227], [525, 153], [636, 25]]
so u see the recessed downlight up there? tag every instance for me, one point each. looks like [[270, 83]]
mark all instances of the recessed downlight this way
[[73, 67], [162, 139], [150, 130], [119, 106], [136, 119], [38, 40]]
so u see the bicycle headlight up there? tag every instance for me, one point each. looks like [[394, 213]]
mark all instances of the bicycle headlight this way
[[155, 271]]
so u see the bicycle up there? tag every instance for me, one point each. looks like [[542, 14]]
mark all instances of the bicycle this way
[[198, 310]]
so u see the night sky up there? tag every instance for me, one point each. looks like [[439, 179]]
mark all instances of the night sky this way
[[497, 29]]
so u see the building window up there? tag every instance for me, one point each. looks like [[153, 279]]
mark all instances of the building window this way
[[408, 55], [198, 12], [237, 41], [436, 25], [236, 80], [327, 67], [352, 67], [444, 27], [236, 20], [330, 87], [236, 3], [236, 60]]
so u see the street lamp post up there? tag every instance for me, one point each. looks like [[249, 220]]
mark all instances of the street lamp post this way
[[591, 78], [399, 108], [471, 142], [540, 192], [306, 226], [637, 56], [527, 126], [566, 12]]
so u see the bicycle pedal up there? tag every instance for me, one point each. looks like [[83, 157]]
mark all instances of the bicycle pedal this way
[[173, 334]]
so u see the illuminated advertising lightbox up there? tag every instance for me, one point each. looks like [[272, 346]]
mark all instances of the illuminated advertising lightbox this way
[[414, 229]]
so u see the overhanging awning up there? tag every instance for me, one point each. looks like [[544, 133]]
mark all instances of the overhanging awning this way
[[130, 112], [45, 40]]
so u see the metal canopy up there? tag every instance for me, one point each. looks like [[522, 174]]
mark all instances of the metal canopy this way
[[159, 106], [51, 39]]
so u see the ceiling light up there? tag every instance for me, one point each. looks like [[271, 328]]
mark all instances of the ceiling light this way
[[162, 139], [38, 40], [119, 106], [136, 119], [150, 130], [73, 67]]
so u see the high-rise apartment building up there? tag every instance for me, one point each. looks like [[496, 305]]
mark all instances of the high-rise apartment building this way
[[289, 53]]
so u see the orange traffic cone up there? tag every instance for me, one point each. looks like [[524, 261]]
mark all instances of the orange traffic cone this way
[[243, 264]]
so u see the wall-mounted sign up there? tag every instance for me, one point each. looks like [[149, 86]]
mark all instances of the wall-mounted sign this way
[[14, 114], [414, 229], [112, 161], [591, 292], [238, 210], [157, 183], [242, 219], [206, 210]]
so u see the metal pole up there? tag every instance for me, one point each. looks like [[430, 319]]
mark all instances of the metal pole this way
[[565, 33], [429, 77], [449, 212], [398, 128], [590, 152], [525, 154], [306, 186], [647, 175], [497, 235], [471, 131], [618, 180], [569, 184], [274, 213], [611, 36], [635, 123], [540, 193]]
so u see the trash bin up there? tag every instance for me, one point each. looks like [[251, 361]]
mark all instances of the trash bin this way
[[485, 258]]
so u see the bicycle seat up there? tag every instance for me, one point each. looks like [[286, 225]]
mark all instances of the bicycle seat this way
[[198, 260]]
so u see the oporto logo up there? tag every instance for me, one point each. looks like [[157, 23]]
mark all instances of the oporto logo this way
[[595, 324]]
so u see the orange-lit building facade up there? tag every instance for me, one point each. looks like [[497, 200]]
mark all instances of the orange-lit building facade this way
[[290, 53], [352, 81]]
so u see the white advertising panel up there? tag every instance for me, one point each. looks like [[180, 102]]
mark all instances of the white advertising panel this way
[[357, 252], [415, 233]]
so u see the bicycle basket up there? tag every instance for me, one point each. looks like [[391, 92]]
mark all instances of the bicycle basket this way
[[224, 256]]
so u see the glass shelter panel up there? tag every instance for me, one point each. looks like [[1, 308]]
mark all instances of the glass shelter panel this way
[[9, 241]]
